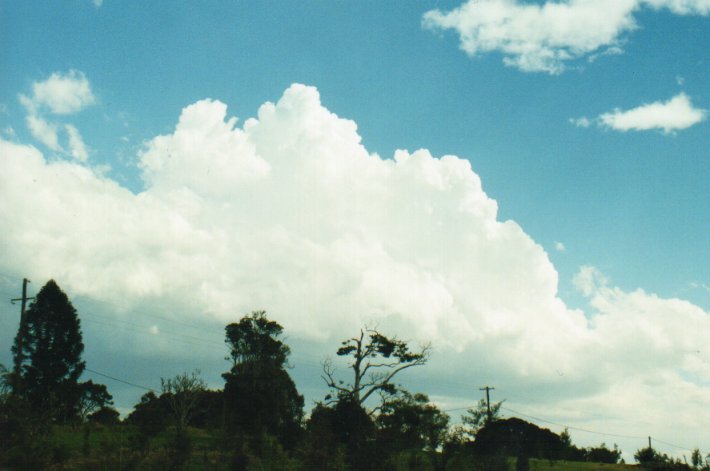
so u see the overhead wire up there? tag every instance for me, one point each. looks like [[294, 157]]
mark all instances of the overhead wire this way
[[188, 339], [142, 313], [579, 429], [672, 445], [121, 323], [120, 380], [633, 437]]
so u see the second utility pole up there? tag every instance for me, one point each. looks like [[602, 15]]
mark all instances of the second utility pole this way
[[21, 330], [488, 400]]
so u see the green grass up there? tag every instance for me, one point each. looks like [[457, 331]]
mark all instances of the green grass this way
[[545, 465], [108, 448], [118, 448]]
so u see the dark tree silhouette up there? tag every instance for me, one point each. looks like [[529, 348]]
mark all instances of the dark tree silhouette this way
[[106, 416], [182, 394], [475, 418], [50, 360], [516, 437], [5, 381], [259, 395], [150, 415], [324, 446], [411, 422], [376, 359], [603, 454], [92, 398]]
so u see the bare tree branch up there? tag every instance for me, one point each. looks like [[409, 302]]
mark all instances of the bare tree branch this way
[[376, 360], [183, 392]]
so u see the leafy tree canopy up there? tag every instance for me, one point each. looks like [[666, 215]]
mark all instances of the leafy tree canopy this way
[[477, 417], [105, 416], [260, 396], [93, 397], [411, 422], [150, 414], [254, 339], [514, 437]]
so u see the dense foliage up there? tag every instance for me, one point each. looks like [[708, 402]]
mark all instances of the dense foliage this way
[[48, 349], [257, 421], [260, 398]]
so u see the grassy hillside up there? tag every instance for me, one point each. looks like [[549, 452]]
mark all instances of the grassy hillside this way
[[545, 465], [120, 448]]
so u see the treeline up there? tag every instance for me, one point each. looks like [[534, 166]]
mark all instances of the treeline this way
[[257, 421]]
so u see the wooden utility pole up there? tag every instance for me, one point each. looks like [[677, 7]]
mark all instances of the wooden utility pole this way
[[21, 330], [488, 400]]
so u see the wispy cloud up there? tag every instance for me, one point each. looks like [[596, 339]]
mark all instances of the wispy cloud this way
[[60, 94], [45, 132], [700, 286], [582, 122], [682, 7], [77, 148], [546, 37]]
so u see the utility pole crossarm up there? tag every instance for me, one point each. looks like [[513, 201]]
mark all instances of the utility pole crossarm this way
[[488, 400]]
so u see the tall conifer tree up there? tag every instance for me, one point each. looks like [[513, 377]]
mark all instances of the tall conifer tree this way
[[50, 360]]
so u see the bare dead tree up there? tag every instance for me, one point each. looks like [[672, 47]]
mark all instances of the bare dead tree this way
[[183, 392], [375, 361]]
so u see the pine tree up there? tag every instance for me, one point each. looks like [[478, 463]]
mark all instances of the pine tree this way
[[50, 357]]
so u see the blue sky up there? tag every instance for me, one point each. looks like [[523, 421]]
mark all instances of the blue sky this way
[[614, 205]]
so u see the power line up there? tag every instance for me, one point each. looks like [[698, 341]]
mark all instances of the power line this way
[[111, 322], [579, 429], [573, 428], [120, 380], [674, 446], [633, 437], [457, 408], [143, 332], [143, 313], [106, 320]]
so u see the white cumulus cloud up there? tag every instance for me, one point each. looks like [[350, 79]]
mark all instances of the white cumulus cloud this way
[[682, 7], [291, 213], [545, 37], [63, 93], [535, 37], [673, 115], [293, 210]]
